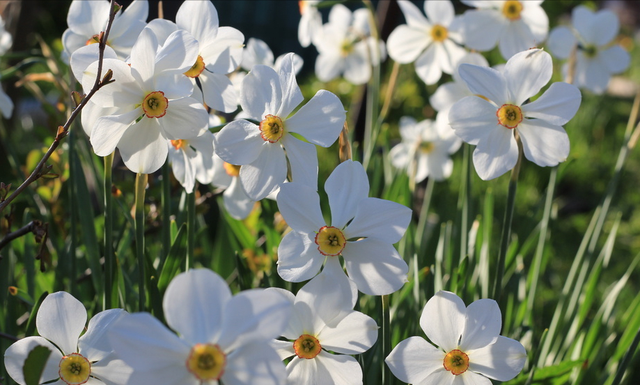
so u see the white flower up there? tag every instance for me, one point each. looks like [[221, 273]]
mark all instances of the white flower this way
[[192, 159], [236, 200], [449, 93], [362, 230], [74, 359], [310, 22], [345, 47], [152, 102], [425, 149], [88, 19], [514, 25], [491, 119], [5, 38], [269, 97], [432, 42], [597, 55], [470, 349], [222, 338], [323, 321]]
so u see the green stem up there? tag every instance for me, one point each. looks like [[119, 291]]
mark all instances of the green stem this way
[[191, 228], [141, 183], [463, 201], [108, 232], [74, 212], [372, 126], [386, 340], [166, 211]]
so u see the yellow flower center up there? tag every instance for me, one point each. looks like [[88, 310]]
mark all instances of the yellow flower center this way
[[511, 9], [206, 362], [347, 47], [231, 169], [439, 33], [426, 147], [196, 69], [456, 362], [330, 241], [271, 129], [590, 51], [74, 369], [509, 115], [155, 104], [179, 143], [307, 346]]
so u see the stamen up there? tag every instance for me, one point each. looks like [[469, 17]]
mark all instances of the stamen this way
[[206, 362], [179, 143], [330, 241], [307, 346], [197, 68], [271, 129], [74, 369], [426, 147], [512, 9], [456, 362], [439, 33], [509, 116], [155, 104]]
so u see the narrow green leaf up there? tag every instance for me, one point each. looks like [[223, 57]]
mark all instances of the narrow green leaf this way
[[175, 259], [34, 364]]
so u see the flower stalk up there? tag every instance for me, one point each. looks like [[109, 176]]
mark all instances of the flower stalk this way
[[141, 183], [108, 232]]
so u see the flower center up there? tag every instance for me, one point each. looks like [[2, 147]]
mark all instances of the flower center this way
[[95, 38], [74, 369], [590, 51], [206, 362], [330, 241], [271, 129], [196, 69], [426, 147], [231, 169], [155, 104], [511, 9], [307, 346], [456, 362], [509, 115], [439, 33], [179, 143]]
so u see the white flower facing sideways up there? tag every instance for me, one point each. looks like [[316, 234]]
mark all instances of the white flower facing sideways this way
[[323, 321], [310, 22], [511, 24], [269, 97], [597, 56], [425, 149], [345, 47], [362, 231], [431, 42], [74, 359], [151, 97], [192, 159], [469, 348], [236, 201], [222, 338], [258, 52], [87, 20], [492, 119]]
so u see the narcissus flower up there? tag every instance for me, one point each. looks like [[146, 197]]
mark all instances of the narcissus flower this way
[[310, 22], [362, 230], [74, 359], [492, 119], [468, 346], [597, 56], [192, 159], [236, 200], [433, 43], [515, 25], [222, 338], [258, 52], [324, 323], [269, 97]]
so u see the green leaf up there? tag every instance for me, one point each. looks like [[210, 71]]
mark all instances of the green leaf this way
[[548, 373], [34, 364], [175, 259]]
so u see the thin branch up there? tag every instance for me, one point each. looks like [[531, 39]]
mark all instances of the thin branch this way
[[28, 228]]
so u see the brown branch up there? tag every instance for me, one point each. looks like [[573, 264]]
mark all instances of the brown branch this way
[[28, 228]]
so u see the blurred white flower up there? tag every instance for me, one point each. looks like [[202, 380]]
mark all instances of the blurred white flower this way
[[269, 97], [449, 93], [258, 52], [425, 149], [345, 47], [222, 338], [432, 42], [469, 348], [74, 359], [88, 19], [236, 201], [597, 55], [362, 231], [6, 104], [192, 159], [491, 119], [514, 25], [310, 22]]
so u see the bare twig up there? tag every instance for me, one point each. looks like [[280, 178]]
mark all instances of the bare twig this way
[[28, 228]]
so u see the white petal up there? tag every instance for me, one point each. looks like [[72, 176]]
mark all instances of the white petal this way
[[328, 66], [200, 18], [236, 200], [406, 43], [605, 27], [452, 56], [447, 94], [414, 359], [375, 266], [516, 37], [177, 54], [185, 119], [61, 318], [109, 370], [94, 343], [239, 142], [223, 54], [536, 20], [123, 92], [183, 167], [439, 12], [413, 15], [526, 73], [482, 28], [557, 105], [443, 320], [471, 378], [256, 52], [472, 118], [339, 369], [496, 153], [591, 73], [300, 207], [143, 55], [17, 353], [6, 105], [616, 58], [482, 325], [485, 81], [381, 219], [108, 130], [91, 113], [83, 57], [561, 42], [304, 371], [297, 63], [358, 64], [261, 92], [544, 143], [583, 21], [400, 156], [340, 17], [87, 18], [194, 305], [320, 121], [291, 94], [427, 65], [254, 364], [303, 161], [346, 187], [298, 257], [143, 148], [502, 360], [443, 377], [269, 170], [354, 334], [219, 93]]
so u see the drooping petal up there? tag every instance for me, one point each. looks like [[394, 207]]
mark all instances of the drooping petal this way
[[400, 156], [501, 361], [143, 148], [439, 12], [496, 153], [616, 59], [473, 118], [108, 131], [354, 334], [256, 52], [516, 37], [482, 324], [320, 121], [482, 28], [239, 142], [526, 73], [536, 20], [357, 68], [428, 66], [298, 257], [443, 319], [122, 93], [561, 42], [557, 105], [300, 207], [328, 66], [375, 266], [346, 187], [81, 20], [254, 364], [381, 219], [61, 318], [452, 57], [261, 92], [94, 344], [591, 73], [291, 94], [183, 168], [447, 94], [414, 359], [303, 161], [486, 82], [406, 43], [236, 200], [200, 18], [17, 353], [544, 144], [269, 170]]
